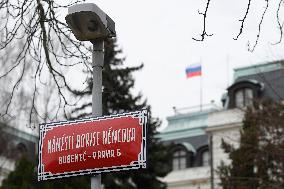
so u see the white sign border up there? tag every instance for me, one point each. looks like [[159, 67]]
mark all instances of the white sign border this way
[[143, 116]]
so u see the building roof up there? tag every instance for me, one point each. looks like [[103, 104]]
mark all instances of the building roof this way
[[271, 75], [186, 125], [258, 68], [19, 133]]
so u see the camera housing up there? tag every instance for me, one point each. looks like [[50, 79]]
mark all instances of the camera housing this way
[[89, 23]]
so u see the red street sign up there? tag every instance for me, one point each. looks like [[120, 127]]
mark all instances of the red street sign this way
[[92, 145]]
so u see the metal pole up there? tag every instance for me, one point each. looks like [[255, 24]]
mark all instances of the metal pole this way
[[211, 160], [98, 62]]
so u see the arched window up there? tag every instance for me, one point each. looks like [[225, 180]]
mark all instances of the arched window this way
[[243, 97], [205, 158], [179, 160]]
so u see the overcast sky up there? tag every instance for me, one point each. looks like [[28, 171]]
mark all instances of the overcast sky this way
[[159, 33]]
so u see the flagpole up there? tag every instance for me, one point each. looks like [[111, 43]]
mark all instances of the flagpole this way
[[228, 67]]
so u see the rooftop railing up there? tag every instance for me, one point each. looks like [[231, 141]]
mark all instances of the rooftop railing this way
[[197, 108]]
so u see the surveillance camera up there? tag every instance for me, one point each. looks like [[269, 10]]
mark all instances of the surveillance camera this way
[[89, 23]]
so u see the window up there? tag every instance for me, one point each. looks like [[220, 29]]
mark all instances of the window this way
[[243, 97], [179, 160], [205, 158]]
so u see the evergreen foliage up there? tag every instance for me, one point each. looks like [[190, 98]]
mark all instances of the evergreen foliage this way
[[21, 177], [25, 177], [258, 163], [118, 82]]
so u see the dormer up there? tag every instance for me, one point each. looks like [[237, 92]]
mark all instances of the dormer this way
[[243, 93]]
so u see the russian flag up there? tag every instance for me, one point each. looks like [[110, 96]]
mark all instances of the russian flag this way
[[193, 70]]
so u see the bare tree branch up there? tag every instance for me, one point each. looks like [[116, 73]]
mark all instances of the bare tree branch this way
[[259, 28], [243, 21], [251, 48], [47, 44], [280, 25], [204, 33]]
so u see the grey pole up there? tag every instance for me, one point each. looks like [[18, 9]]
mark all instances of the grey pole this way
[[98, 62], [211, 160]]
